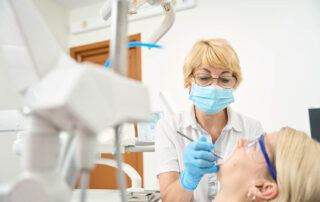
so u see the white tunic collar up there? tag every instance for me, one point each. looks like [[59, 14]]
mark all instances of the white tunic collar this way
[[188, 119]]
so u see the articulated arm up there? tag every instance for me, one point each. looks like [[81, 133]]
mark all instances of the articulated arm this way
[[166, 24]]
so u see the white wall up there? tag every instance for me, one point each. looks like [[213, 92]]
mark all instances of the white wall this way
[[57, 19], [277, 42]]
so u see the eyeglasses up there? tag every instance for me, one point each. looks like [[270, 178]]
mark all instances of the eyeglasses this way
[[252, 146], [203, 79]]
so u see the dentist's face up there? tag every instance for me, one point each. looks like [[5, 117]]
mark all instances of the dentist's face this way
[[246, 165]]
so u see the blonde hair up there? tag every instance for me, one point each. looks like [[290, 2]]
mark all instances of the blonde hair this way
[[216, 53], [298, 167]]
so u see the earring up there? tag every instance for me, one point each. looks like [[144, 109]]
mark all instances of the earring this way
[[253, 197]]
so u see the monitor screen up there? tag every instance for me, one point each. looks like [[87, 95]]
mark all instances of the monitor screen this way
[[314, 118]]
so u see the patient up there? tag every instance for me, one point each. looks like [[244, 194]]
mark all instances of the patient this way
[[293, 174]]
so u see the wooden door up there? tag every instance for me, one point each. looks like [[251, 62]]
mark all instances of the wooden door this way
[[105, 177]]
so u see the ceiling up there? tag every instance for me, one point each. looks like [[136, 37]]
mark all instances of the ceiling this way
[[72, 4]]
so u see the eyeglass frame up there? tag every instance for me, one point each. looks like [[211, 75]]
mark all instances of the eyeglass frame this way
[[193, 75], [266, 157]]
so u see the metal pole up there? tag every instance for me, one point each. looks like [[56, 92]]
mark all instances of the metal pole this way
[[119, 47], [121, 179], [118, 55]]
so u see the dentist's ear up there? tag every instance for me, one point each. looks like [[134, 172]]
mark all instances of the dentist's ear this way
[[266, 190], [190, 85]]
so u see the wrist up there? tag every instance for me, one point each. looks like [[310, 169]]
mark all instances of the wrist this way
[[189, 182]]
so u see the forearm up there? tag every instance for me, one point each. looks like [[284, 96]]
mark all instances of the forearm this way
[[175, 193]]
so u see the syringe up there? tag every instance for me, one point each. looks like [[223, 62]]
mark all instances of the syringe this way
[[220, 158]]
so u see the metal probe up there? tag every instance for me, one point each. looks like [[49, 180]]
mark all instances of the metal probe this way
[[190, 139]]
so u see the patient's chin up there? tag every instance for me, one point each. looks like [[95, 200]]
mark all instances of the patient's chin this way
[[219, 175], [224, 170], [220, 171]]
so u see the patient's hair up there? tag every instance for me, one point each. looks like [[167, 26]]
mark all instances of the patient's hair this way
[[216, 53], [298, 167]]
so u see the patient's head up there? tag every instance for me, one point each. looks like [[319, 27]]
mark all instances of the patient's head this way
[[294, 157]]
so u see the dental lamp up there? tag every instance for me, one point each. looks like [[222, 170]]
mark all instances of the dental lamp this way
[[62, 95]]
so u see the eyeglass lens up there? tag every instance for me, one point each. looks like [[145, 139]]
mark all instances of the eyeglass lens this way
[[207, 79], [253, 151]]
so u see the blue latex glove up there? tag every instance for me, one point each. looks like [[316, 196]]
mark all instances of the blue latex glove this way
[[198, 161]]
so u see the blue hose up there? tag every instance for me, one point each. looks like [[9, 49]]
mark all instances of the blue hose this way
[[134, 44]]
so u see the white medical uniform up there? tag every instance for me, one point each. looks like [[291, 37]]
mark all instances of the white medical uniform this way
[[170, 147]]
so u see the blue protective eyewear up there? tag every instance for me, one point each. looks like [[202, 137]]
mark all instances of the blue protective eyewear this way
[[266, 157]]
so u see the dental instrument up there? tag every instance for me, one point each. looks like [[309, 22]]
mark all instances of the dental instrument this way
[[52, 106], [212, 151], [185, 136]]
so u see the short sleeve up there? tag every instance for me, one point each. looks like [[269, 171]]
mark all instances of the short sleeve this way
[[165, 146]]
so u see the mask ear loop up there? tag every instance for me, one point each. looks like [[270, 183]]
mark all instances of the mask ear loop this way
[[263, 149]]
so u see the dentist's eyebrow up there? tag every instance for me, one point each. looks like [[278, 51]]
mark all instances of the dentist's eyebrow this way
[[205, 69], [225, 72]]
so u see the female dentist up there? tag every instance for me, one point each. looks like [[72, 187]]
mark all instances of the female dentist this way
[[186, 170]]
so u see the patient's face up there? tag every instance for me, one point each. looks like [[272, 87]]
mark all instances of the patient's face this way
[[246, 165]]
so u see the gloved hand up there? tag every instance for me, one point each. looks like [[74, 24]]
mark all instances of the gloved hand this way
[[198, 161]]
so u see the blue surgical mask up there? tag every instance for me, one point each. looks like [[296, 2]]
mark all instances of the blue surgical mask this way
[[211, 99]]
